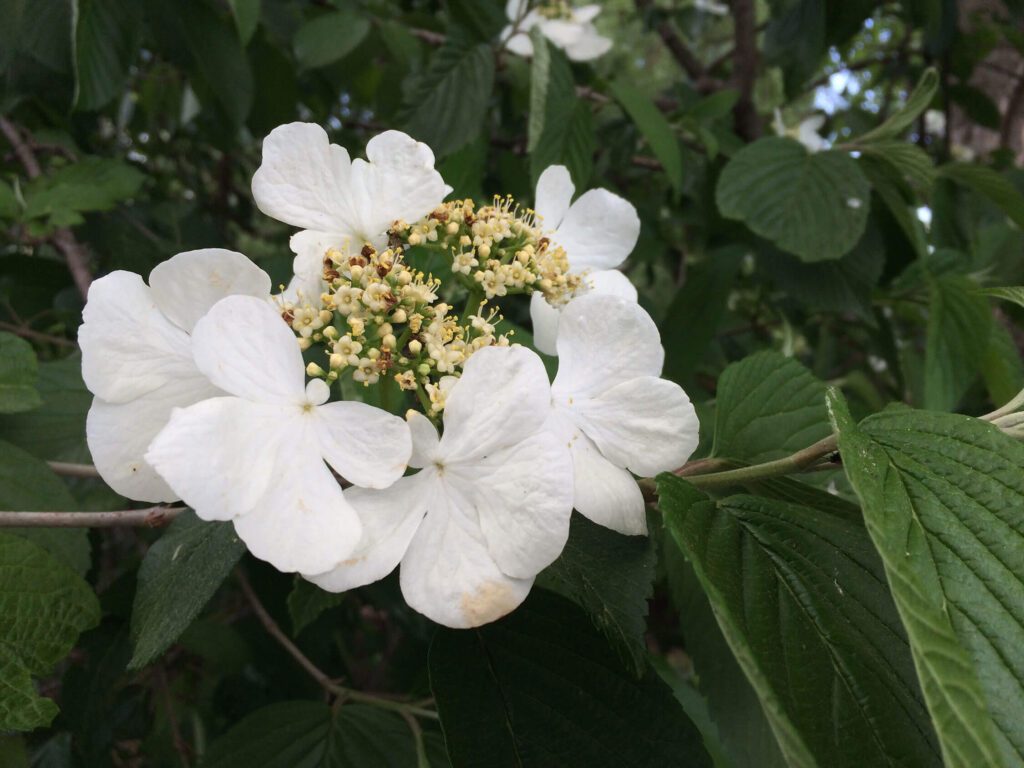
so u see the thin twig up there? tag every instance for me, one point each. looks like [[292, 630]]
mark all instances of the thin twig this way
[[325, 682], [63, 239], [34, 335], [180, 745], [151, 517], [73, 470], [745, 68], [670, 37]]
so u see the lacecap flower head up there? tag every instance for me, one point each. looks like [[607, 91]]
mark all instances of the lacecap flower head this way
[[567, 26]]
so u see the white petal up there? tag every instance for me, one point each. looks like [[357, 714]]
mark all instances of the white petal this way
[[554, 194], [502, 396], [602, 341], [220, 455], [561, 32], [399, 182], [245, 348], [599, 231], [520, 44], [367, 446], [611, 282], [128, 347], [585, 13], [602, 492], [589, 45], [303, 180], [515, 8], [303, 523], [646, 425], [425, 442], [544, 319], [448, 574], [523, 496], [390, 518], [186, 285]]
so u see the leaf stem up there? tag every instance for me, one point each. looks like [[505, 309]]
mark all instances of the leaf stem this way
[[275, 631], [73, 470], [151, 517]]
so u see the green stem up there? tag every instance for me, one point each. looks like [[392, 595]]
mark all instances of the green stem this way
[[473, 301]]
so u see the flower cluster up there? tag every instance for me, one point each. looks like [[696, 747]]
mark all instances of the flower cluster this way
[[244, 404], [567, 26]]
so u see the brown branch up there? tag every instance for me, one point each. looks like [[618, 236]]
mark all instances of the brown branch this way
[[63, 239], [683, 55], [182, 747], [745, 68], [34, 335], [151, 517], [426, 35]]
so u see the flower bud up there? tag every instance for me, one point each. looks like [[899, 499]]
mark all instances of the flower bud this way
[[415, 347], [452, 228], [337, 361], [389, 341], [423, 369], [399, 316], [331, 332], [305, 342], [314, 370]]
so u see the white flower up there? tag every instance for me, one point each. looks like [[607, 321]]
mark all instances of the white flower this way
[[307, 182], [567, 27], [806, 133], [489, 509], [257, 456], [710, 6], [137, 357], [612, 410], [597, 232]]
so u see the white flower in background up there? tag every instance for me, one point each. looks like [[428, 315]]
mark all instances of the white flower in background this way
[[935, 122], [567, 27], [710, 6], [806, 133], [257, 455], [307, 182], [489, 508], [612, 410], [137, 357], [597, 232]]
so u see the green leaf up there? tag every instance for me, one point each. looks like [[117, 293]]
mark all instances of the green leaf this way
[[106, 42], [943, 499], [814, 205], [446, 105], [306, 734], [307, 601], [654, 127], [177, 577], [486, 18], [44, 606], [768, 406], [247, 17], [55, 431], [959, 327], [908, 159], [1001, 368], [91, 184], [989, 183], [329, 38], [1011, 293], [9, 205], [797, 589], [540, 687], [571, 146], [610, 576], [18, 375], [917, 102]]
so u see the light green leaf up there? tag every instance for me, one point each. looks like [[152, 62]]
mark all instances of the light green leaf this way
[[91, 184], [794, 588], [610, 576], [1012, 293], [908, 159], [18, 375], [989, 183], [654, 127], [247, 18], [177, 577], [812, 204], [541, 687], [943, 499], [571, 146], [959, 326], [902, 118], [445, 106], [306, 734], [307, 601], [106, 42], [326, 39], [44, 606], [768, 406]]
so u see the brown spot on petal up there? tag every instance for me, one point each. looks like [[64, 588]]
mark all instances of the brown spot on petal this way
[[491, 601]]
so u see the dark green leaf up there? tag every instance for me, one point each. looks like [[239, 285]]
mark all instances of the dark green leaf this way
[[943, 499], [91, 184], [908, 159], [991, 184], [609, 575], [959, 326], [541, 688], [916, 103], [446, 105], [307, 601], [247, 16], [812, 204], [797, 589], [654, 127], [18, 375], [1001, 368], [177, 577], [9, 205], [105, 46], [768, 406], [55, 431], [889, 185], [977, 105], [44, 606], [485, 17], [329, 38]]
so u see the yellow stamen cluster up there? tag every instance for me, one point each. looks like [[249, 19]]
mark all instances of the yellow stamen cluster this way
[[557, 9]]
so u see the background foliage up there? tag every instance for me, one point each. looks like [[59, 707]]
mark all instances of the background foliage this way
[[868, 613]]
